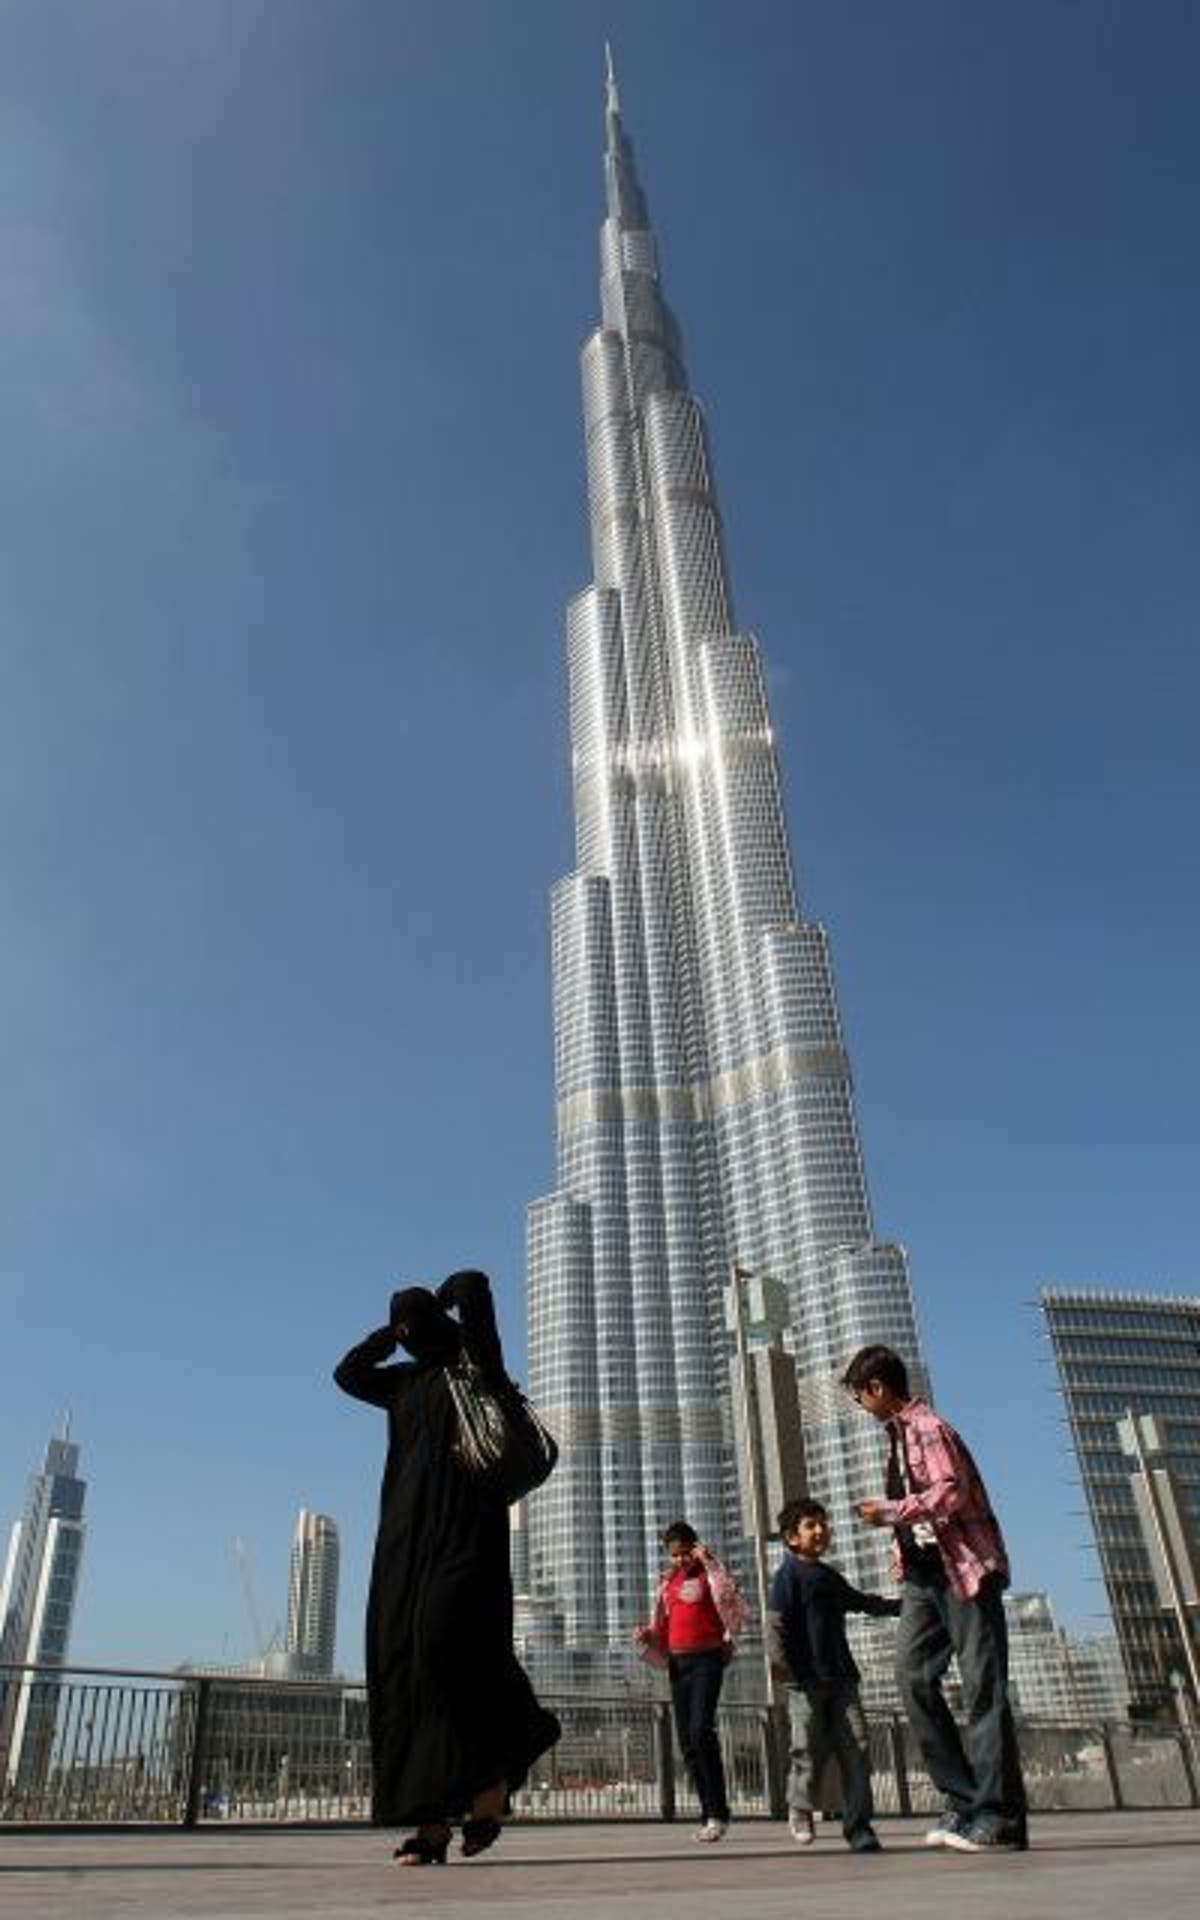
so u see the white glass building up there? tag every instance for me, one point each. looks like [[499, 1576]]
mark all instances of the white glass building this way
[[313, 1594], [704, 1103], [1116, 1351], [37, 1602]]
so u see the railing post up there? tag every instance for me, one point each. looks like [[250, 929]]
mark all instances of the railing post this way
[[1187, 1754], [666, 1763], [198, 1755], [1111, 1768], [899, 1751]]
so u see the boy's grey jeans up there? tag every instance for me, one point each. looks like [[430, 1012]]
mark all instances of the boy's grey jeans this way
[[827, 1717], [980, 1776]]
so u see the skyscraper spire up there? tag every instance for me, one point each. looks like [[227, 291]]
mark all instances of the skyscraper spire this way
[[626, 203], [612, 97], [704, 1104]]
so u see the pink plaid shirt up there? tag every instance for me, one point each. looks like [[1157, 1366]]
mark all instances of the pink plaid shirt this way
[[946, 1489]]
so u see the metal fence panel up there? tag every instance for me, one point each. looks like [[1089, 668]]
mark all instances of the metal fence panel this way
[[743, 1733], [1150, 1766], [1066, 1768], [274, 1752], [98, 1751], [606, 1766]]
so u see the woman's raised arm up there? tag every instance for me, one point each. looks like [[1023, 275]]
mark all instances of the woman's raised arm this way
[[362, 1374], [469, 1293]]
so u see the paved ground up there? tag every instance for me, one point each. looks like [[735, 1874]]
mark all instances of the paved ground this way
[[1080, 1865]]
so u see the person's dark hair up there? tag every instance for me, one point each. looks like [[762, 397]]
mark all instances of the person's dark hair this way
[[876, 1363], [679, 1533], [794, 1511]]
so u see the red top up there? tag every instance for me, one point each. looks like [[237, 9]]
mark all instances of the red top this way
[[693, 1623]]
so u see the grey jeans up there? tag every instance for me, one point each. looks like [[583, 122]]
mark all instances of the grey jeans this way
[[827, 1717], [980, 1776]]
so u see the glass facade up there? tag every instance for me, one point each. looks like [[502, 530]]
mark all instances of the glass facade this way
[[313, 1593], [1115, 1352], [704, 1104], [37, 1601]]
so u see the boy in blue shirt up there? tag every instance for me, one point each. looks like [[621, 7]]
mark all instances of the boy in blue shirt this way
[[806, 1629]]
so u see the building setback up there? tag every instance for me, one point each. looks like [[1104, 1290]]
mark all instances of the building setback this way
[[1114, 1352], [37, 1601], [704, 1104]]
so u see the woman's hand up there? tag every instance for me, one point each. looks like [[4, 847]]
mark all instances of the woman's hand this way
[[467, 1284]]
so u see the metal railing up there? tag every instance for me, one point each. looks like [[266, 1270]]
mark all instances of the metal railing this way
[[105, 1748]]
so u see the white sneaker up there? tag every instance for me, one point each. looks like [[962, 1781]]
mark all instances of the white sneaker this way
[[948, 1827], [800, 1826], [711, 1830]]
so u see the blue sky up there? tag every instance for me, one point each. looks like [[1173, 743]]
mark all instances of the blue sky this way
[[291, 498]]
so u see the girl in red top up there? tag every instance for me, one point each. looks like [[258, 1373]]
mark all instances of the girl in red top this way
[[698, 1611]]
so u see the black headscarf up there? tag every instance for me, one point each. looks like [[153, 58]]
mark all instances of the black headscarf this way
[[423, 1327]]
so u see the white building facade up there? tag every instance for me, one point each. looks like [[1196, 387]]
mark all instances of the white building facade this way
[[311, 1640], [704, 1102]]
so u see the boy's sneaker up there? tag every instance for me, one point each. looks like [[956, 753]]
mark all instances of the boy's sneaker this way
[[985, 1836], [950, 1824], [866, 1840], [800, 1826], [710, 1831]]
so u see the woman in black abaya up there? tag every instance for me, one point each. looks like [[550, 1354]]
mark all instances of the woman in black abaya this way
[[454, 1722]]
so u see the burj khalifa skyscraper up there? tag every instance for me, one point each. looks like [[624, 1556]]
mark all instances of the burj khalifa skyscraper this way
[[704, 1103]]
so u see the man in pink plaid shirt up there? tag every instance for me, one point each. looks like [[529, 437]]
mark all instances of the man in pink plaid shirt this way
[[949, 1554]]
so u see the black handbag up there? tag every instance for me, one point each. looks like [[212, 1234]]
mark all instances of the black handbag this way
[[500, 1440]]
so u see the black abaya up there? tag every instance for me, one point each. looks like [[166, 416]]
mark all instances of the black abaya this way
[[451, 1710]]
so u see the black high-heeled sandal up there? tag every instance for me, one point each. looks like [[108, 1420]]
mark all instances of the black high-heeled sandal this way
[[422, 1851], [479, 1835]]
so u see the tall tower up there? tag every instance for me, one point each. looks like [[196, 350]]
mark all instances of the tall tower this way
[[37, 1600], [704, 1107], [313, 1593]]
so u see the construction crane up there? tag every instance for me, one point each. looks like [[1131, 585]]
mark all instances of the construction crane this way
[[262, 1646]]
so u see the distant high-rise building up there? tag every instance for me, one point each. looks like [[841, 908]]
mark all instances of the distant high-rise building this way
[[1039, 1664], [704, 1101], [313, 1594], [37, 1600], [1098, 1678], [1115, 1352]]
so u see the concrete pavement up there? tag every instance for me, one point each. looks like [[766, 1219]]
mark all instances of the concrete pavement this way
[[1079, 1867]]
